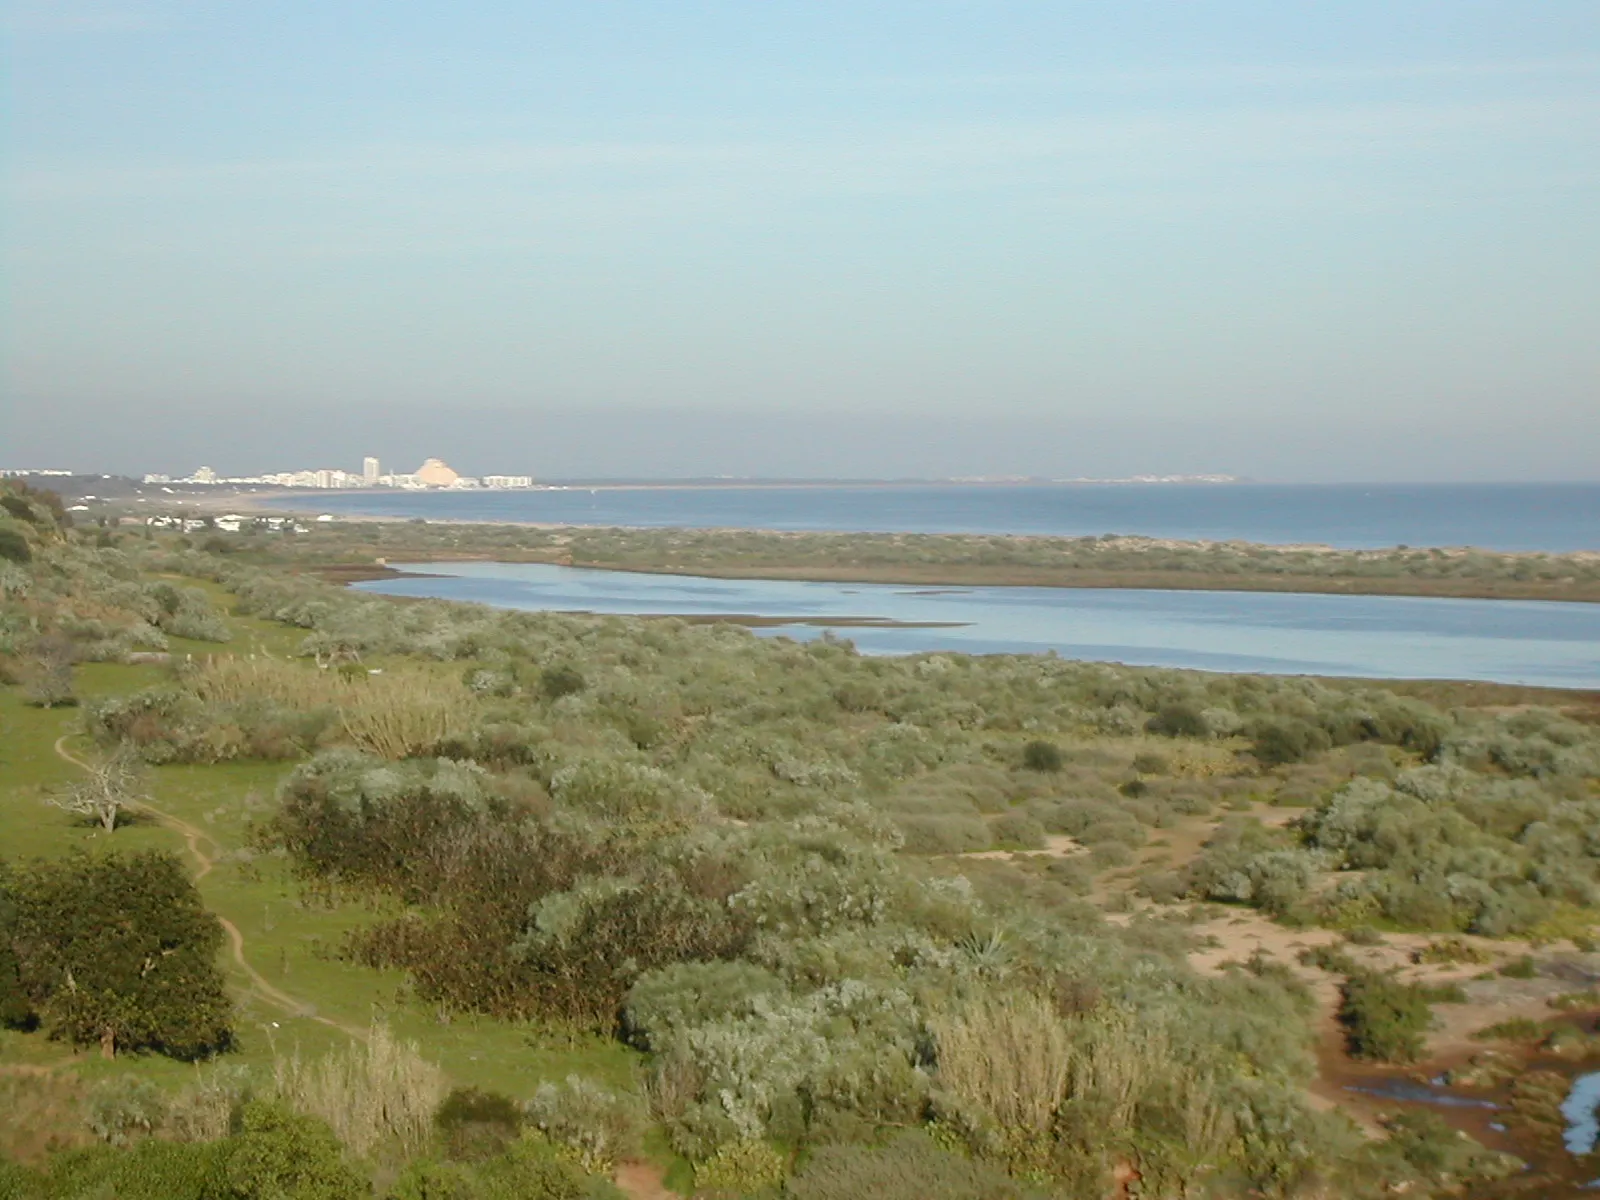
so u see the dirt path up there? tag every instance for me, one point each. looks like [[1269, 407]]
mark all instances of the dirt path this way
[[204, 864], [643, 1181]]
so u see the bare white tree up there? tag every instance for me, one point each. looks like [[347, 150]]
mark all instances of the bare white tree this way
[[114, 783]]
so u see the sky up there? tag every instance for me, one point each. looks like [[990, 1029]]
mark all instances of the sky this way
[[1283, 239]]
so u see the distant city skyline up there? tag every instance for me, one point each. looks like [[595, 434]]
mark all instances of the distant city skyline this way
[[432, 473], [1034, 237]]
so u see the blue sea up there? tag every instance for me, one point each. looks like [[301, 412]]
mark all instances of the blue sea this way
[[1552, 517], [1388, 637]]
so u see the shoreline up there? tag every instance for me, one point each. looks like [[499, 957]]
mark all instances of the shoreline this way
[[957, 574]]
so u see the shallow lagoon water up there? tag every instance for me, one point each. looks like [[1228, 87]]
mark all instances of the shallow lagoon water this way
[[1392, 637], [1583, 1126]]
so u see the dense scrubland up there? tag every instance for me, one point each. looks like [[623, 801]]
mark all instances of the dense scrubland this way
[[807, 923], [1096, 562]]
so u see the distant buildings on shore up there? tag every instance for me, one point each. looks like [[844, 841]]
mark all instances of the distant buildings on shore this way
[[227, 523], [434, 474]]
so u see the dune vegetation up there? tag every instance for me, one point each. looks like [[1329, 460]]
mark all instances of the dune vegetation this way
[[348, 549], [531, 904]]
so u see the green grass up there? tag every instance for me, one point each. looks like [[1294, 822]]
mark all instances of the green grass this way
[[289, 939]]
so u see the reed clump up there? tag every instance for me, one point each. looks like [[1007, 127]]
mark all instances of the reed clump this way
[[1008, 1054], [372, 1092], [398, 713]]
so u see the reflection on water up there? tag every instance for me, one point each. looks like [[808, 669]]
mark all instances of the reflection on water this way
[[1583, 1127], [1530, 642], [1416, 1093]]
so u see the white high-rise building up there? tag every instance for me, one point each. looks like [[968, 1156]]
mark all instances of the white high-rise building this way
[[370, 471]]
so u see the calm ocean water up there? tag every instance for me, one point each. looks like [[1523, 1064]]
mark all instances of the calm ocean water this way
[[1394, 637], [1495, 516]]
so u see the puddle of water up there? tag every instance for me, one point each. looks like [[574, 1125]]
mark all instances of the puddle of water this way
[[1416, 1093], [1583, 1125]]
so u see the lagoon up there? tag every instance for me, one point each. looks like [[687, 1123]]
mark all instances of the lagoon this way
[[1379, 637]]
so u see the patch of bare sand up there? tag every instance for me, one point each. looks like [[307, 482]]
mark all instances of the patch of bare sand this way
[[643, 1181], [1241, 933], [1055, 846]]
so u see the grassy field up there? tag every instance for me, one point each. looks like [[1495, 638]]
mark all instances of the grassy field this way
[[289, 938]]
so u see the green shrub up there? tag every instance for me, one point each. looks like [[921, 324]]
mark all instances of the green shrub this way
[[1522, 967], [665, 1003], [739, 1169], [561, 680], [530, 1169], [1042, 756], [1163, 887], [1431, 1147], [1277, 742], [1448, 951], [1017, 829], [280, 1155], [1385, 1020], [600, 1126], [1147, 763], [1328, 958], [14, 545], [1180, 719], [911, 1167], [476, 1125], [152, 1169], [119, 1111], [945, 834]]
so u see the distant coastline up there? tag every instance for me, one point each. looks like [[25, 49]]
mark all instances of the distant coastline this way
[[1553, 518]]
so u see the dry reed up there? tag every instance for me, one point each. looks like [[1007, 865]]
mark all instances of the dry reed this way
[[397, 714], [1010, 1054], [368, 1093]]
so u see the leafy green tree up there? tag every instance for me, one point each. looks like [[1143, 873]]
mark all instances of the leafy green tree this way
[[119, 951], [15, 1008]]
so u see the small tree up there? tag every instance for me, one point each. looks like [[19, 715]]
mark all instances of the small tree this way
[[49, 673], [118, 950], [111, 785]]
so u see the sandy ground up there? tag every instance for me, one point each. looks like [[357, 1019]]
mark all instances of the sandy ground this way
[[1238, 935], [1055, 846], [643, 1181]]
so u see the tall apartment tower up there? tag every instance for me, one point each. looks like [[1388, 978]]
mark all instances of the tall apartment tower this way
[[369, 471]]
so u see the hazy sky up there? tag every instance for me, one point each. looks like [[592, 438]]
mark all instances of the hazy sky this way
[[1294, 240]]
